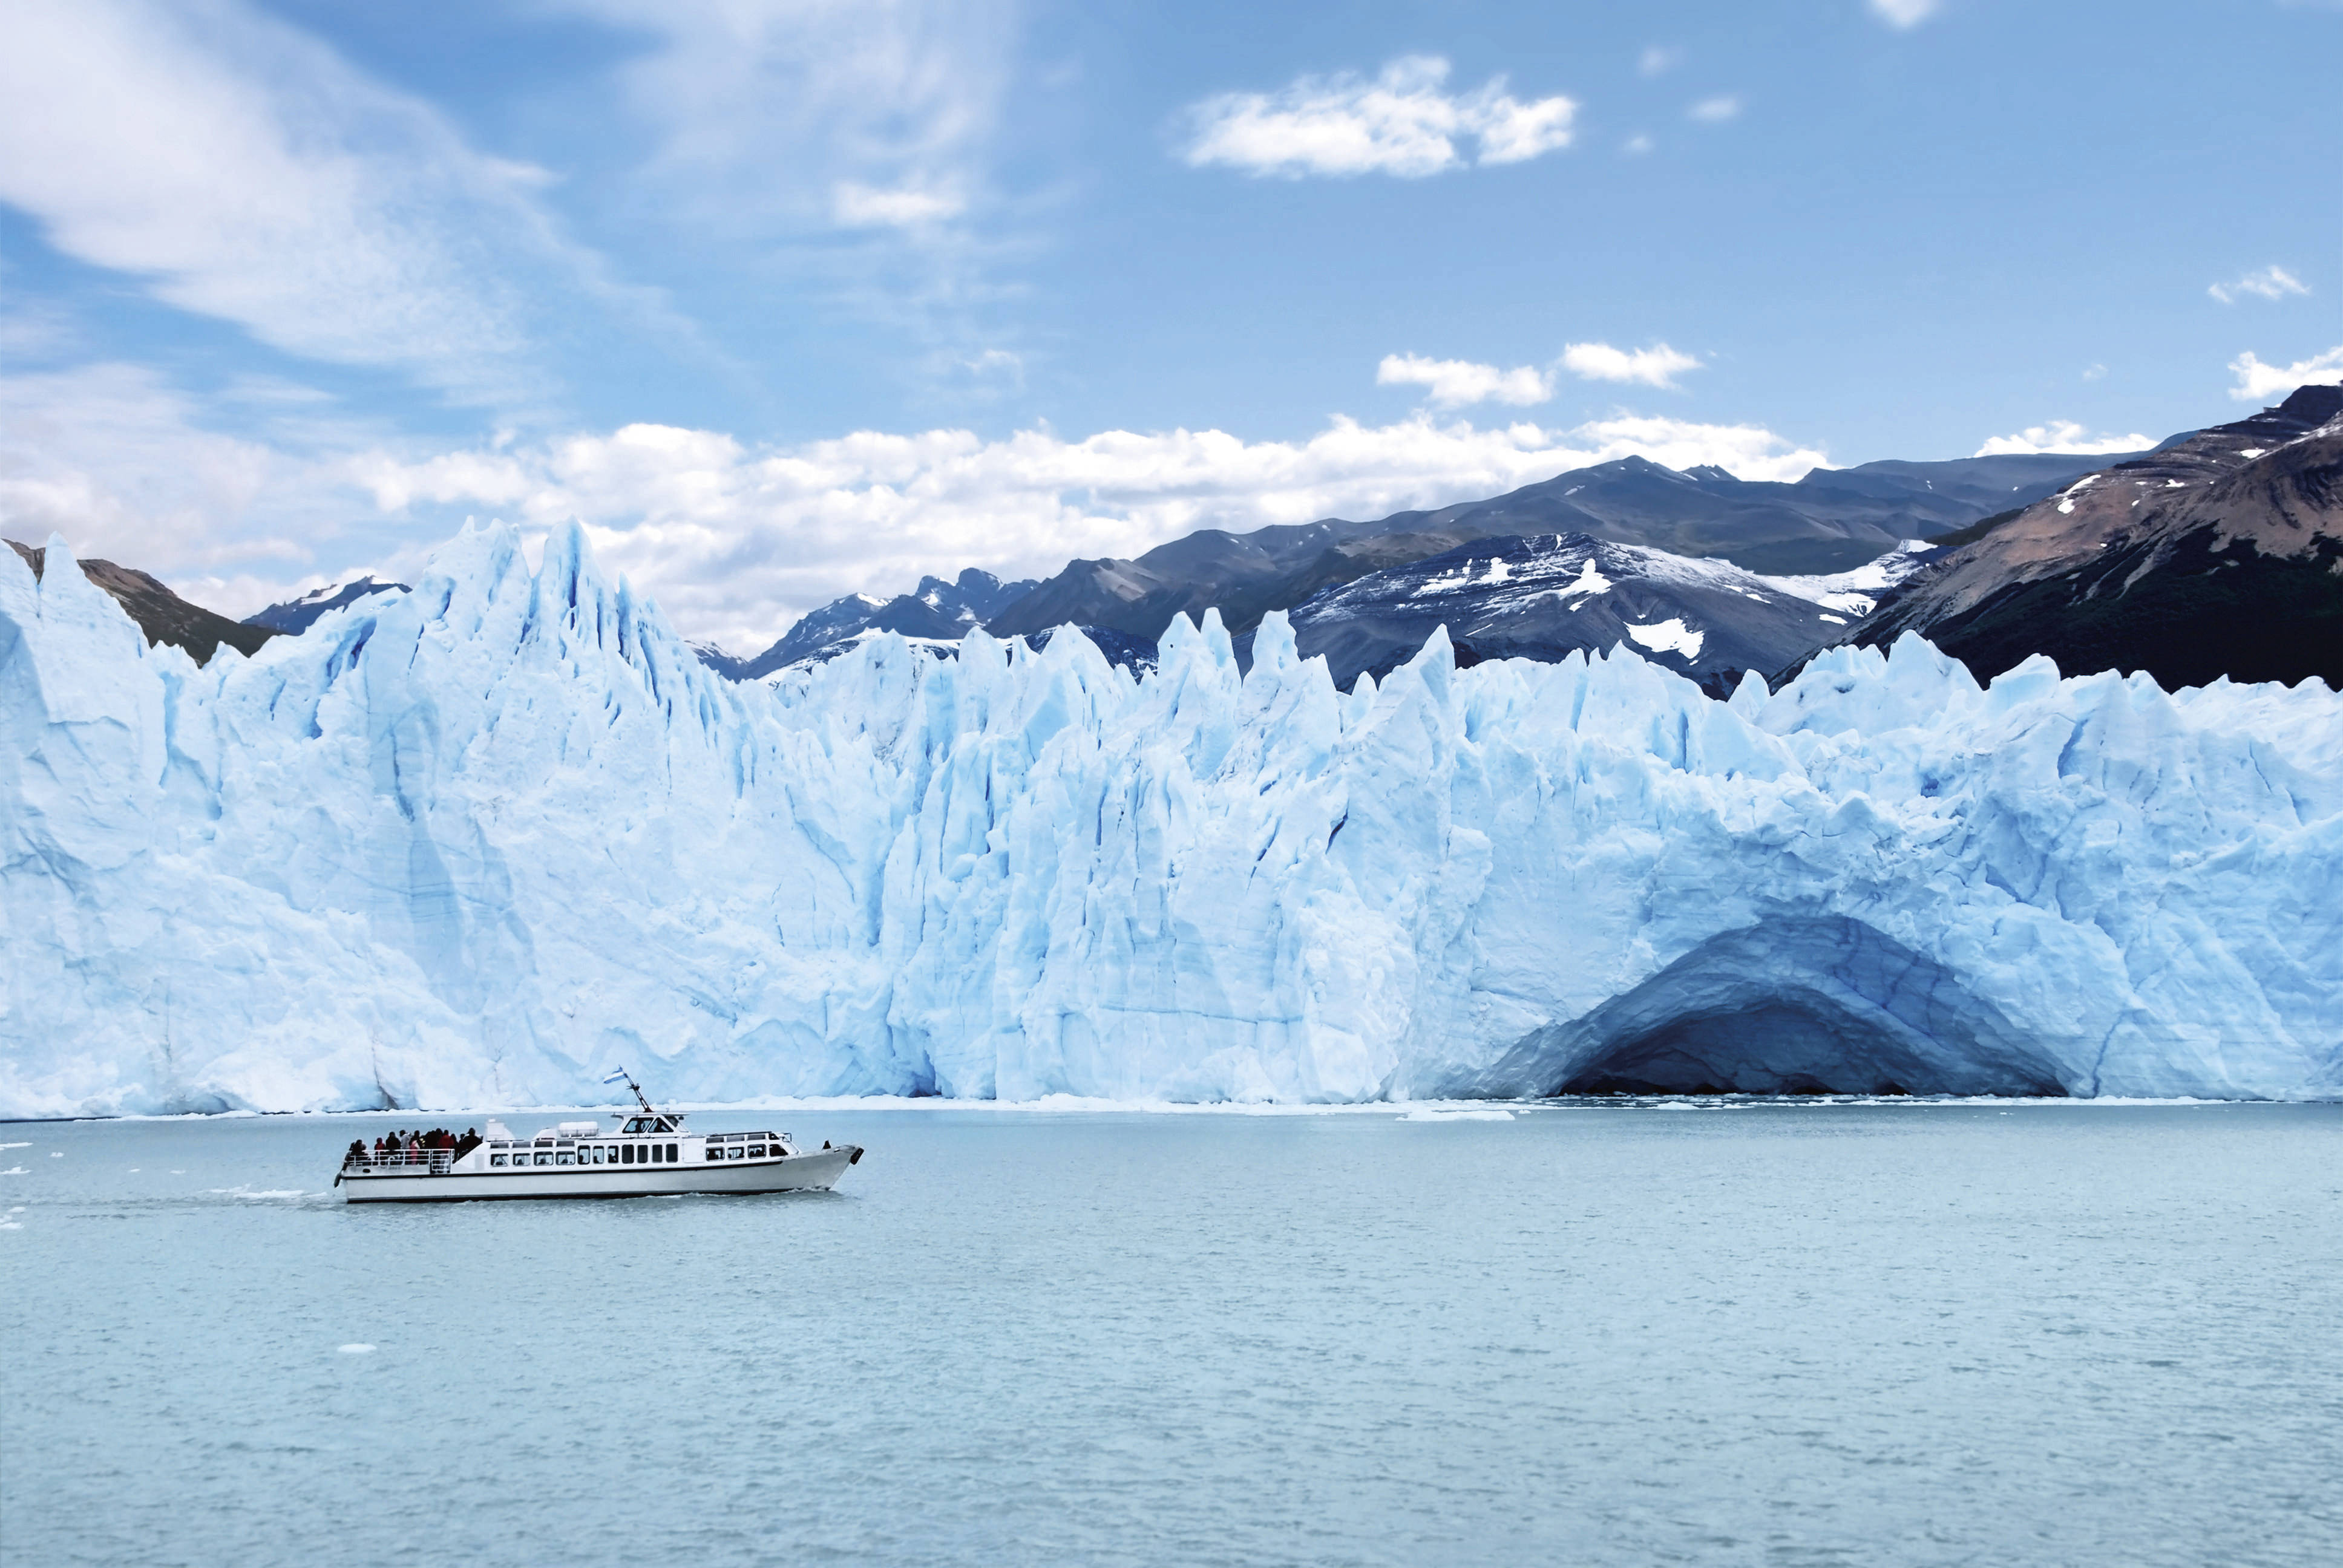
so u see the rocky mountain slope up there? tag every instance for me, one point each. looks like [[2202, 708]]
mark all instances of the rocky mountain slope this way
[[297, 615], [936, 610], [2219, 556], [162, 615], [1832, 520], [1551, 595]]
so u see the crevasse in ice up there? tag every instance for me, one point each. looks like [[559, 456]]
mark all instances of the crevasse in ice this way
[[474, 843]]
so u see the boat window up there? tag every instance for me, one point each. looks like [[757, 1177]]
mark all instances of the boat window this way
[[655, 1153], [670, 1152], [714, 1152], [563, 1159], [756, 1151], [496, 1159], [735, 1152], [544, 1157], [627, 1153]]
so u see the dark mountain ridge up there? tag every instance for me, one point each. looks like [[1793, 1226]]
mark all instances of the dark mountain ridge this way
[[161, 614], [1831, 520], [1548, 595], [298, 615], [2221, 555], [936, 609]]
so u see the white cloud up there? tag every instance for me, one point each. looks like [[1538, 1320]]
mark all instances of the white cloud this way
[[2063, 435], [1713, 111], [1659, 59], [733, 540], [2269, 283], [1657, 365], [119, 462], [1400, 124], [2095, 373], [859, 206], [1456, 382], [1904, 12], [1637, 144], [763, 111], [2260, 383], [244, 172]]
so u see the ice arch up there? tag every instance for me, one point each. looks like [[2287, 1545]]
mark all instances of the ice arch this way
[[1791, 1005]]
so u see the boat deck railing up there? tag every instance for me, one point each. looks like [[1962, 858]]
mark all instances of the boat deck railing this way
[[405, 1162]]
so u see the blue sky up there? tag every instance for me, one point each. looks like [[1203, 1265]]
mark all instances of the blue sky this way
[[786, 299]]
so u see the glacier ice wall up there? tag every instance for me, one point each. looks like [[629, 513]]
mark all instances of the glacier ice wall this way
[[473, 843]]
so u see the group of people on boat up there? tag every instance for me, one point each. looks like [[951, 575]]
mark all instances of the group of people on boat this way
[[403, 1146]]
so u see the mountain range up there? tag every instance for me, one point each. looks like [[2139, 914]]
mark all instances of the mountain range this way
[[1544, 596], [161, 614], [2219, 555], [936, 612], [297, 615], [1830, 521], [2219, 552]]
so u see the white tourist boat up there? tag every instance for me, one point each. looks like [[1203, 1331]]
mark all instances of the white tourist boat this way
[[650, 1155]]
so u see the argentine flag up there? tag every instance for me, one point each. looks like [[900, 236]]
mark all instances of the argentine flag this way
[[618, 1077]]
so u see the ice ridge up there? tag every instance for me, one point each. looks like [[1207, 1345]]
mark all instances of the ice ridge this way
[[473, 842]]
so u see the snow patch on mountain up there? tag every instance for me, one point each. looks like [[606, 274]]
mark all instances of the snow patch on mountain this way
[[1670, 635], [1857, 592]]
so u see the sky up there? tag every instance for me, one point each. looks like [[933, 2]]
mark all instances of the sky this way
[[784, 299]]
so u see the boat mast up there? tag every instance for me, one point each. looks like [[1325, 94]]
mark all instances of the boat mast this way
[[636, 1088]]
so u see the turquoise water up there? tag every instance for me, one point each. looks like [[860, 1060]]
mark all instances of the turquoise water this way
[[1781, 1334]]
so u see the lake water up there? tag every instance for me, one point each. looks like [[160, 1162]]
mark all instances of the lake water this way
[[1777, 1334]]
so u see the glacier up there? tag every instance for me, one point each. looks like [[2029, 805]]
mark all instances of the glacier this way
[[473, 843]]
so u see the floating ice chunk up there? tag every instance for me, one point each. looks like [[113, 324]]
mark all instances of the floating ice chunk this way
[[1427, 1113], [357, 1349]]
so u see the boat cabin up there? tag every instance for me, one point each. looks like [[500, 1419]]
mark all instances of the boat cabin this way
[[649, 1126]]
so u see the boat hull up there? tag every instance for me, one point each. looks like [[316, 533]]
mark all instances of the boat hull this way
[[817, 1172]]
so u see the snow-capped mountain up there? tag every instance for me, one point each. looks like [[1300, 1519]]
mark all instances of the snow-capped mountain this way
[[1546, 597], [475, 844], [936, 612], [162, 615], [1832, 520], [2219, 556], [294, 615]]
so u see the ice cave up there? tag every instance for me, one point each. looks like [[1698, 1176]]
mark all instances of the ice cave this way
[[1789, 1006]]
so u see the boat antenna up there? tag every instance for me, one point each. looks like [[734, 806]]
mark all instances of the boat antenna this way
[[621, 1076]]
